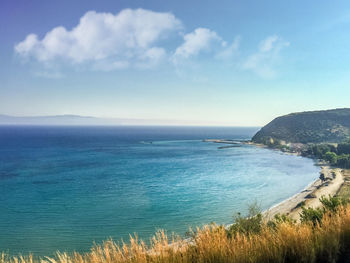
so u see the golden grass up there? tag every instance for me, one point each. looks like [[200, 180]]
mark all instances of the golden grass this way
[[286, 242]]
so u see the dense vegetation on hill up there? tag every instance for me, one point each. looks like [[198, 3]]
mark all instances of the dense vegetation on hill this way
[[338, 155], [307, 127], [322, 134]]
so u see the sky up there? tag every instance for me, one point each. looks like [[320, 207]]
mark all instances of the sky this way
[[236, 63]]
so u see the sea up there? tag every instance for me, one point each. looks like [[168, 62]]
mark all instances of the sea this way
[[66, 187]]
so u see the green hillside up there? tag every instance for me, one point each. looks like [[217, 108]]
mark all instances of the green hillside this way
[[331, 126]]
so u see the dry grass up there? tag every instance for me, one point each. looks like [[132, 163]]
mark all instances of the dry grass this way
[[285, 242]]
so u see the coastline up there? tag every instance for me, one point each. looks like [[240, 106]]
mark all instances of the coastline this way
[[330, 184], [332, 181], [310, 195]]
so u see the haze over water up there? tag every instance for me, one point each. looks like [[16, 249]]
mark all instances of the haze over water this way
[[64, 187]]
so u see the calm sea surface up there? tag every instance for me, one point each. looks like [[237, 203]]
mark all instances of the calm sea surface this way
[[61, 188]]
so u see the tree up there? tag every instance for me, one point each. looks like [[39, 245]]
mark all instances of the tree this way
[[331, 157], [343, 160], [344, 148]]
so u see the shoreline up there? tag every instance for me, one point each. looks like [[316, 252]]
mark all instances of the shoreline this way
[[333, 180], [330, 184], [310, 195]]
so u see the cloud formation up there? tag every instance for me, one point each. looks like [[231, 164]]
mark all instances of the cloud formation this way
[[263, 61], [229, 50], [131, 38], [200, 39], [139, 38], [112, 41]]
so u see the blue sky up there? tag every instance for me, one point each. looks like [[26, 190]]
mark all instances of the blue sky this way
[[207, 62]]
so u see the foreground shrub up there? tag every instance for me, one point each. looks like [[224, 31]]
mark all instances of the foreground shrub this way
[[286, 241], [279, 219], [331, 203], [249, 224], [313, 215]]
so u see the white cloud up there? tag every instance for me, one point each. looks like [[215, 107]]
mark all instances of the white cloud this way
[[129, 39], [26, 47], [151, 57], [229, 50], [268, 43], [105, 40], [263, 61], [199, 40]]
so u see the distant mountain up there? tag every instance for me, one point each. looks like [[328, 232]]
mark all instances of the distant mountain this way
[[308, 127], [50, 120], [88, 120]]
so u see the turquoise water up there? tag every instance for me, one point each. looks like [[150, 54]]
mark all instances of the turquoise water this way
[[64, 187]]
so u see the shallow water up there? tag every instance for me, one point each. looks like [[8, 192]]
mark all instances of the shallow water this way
[[64, 187]]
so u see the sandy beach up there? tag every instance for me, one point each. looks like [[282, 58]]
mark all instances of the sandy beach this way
[[330, 185], [331, 182]]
